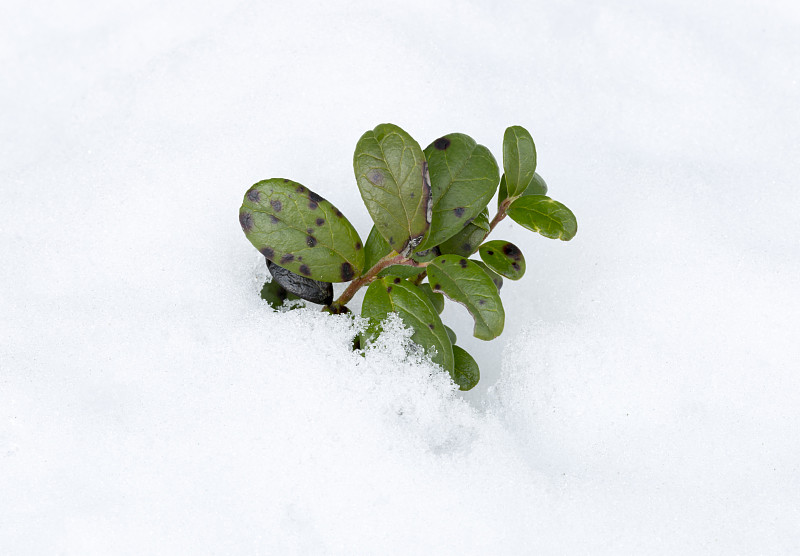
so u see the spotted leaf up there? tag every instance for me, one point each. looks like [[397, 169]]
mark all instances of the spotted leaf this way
[[466, 372], [519, 159], [463, 281], [542, 214], [298, 230], [466, 241], [496, 278], [503, 257], [393, 179], [464, 178], [412, 305]]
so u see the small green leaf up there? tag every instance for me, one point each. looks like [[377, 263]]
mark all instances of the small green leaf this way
[[437, 299], [273, 294], [304, 288], [451, 335], [466, 241], [376, 249], [519, 159], [393, 179], [297, 229], [503, 257], [463, 281], [466, 373], [396, 295], [544, 215], [496, 278], [536, 187], [464, 178]]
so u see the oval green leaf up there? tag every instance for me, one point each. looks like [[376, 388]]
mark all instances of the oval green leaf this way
[[536, 187], [496, 278], [297, 229], [466, 373], [396, 295], [519, 159], [542, 214], [503, 257], [464, 178], [463, 281], [393, 179], [466, 242], [451, 334]]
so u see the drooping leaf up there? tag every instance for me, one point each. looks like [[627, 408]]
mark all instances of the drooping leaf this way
[[466, 373], [396, 295], [463, 281], [496, 278], [451, 334], [393, 179], [542, 214], [503, 257], [304, 288], [536, 187], [437, 299], [466, 241], [377, 248], [464, 178], [519, 159], [297, 229]]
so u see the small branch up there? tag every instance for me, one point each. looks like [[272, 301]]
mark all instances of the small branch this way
[[501, 213], [365, 279]]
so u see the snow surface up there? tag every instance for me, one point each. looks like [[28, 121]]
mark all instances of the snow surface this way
[[643, 399]]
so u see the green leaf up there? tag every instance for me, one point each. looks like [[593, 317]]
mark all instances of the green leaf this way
[[437, 299], [519, 159], [396, 295], [377, 248], [273, 294], [451, 334], [309, 289], [503, 257], [496, 278], [544, 215], [393, 179], [466, 241], [297, 229], [466, 373], [463, 281], [536, 187], [464, 178]]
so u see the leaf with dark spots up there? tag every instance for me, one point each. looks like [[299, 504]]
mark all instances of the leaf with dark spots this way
[[287, 258], [544, 215], [465, 370], [322, 249], [253, 195], [304, 288], [392, 153], [464, 179], [319, 221], [441, 143], [246, 221], [467, 284], [519, 159], [466, 241], [312, 205], [496, 278], [503, 257], [347, 272], [268, 252], [415, 310]]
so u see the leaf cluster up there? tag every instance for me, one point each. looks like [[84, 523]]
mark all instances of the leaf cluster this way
[[430, 213]]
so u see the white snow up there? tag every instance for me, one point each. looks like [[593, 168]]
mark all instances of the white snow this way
[[643, 399]]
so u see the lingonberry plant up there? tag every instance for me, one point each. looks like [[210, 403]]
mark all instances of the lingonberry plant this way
[[430, 216]]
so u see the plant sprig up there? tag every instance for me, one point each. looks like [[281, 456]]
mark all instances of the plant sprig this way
[[429, 209]]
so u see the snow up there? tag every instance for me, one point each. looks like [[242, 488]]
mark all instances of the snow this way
[[642, 400]]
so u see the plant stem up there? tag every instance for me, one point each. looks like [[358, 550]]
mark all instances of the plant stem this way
[[390, 260], [365, 279]]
